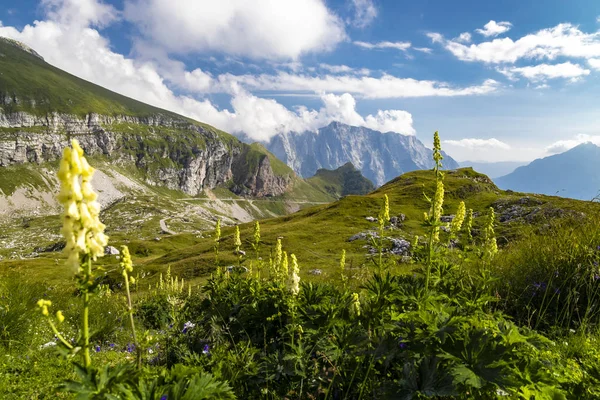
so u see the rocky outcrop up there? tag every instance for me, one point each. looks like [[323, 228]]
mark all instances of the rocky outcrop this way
[[379, 156], [167, 151]]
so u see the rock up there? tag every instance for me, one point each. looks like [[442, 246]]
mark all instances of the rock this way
[[239, 253], [208, 162], [363, 235], [58, 246], [379, 156], [315, 272], [447, 218], [111, 251], [445, 228], [400, 247], [371, 219]]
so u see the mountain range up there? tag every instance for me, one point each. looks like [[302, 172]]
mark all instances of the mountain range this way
[[493, 169], [379, 156], [574, 173]]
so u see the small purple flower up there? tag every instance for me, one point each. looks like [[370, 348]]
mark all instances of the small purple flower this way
[[187, 326], [130, 348], [112, 346], [206, 349], [97, 348], [403, 346], [164, 397]]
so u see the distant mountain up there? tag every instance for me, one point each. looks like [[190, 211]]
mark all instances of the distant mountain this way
[[379, 156], [341, 182], [574, 173], [493, 169]]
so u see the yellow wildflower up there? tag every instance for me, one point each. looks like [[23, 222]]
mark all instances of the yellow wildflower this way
[[355, 304], [60, 317], [295, 284], [82, 229], [458, 219], [44, 304]]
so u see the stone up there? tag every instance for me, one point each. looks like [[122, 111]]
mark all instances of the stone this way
[[371, 219], [111, 251], [315, 271]]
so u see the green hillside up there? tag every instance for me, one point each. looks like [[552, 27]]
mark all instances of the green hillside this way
[[341, 182], [318, 234], [41, 88]]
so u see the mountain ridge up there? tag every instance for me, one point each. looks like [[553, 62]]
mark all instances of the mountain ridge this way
[[573, 173], [379, 156]]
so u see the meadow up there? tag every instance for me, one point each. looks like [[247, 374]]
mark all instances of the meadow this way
[[456, 318]]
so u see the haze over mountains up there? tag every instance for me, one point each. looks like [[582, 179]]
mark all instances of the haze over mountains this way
[[574, 173], [493, 169], [379, 156]]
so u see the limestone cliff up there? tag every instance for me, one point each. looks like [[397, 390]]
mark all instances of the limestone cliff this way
[[174, 153]]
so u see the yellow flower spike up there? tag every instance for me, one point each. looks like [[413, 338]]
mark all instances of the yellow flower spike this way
[[256, 233], [83, 231], [284, 264], [132, 280], [126, 263], [458, 219], [44, 304], [60, 317], [295, 284], [355, 304], [218, 230], [237, 242]]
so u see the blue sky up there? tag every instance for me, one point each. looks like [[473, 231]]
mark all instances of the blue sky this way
[[509, 80]]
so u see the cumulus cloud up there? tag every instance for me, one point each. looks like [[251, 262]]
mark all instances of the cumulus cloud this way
[[561, 146], [261, 119], [594, 63], [541, 72], [494, 28], [262, 29], [80, 12], [364, 13], [464, 37], [403, 46], [472, 143], [563, 40]]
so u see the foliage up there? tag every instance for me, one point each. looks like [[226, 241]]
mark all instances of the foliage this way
[[462, 323]]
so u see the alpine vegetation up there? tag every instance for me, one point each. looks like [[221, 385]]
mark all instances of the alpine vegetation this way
[[460, 316]]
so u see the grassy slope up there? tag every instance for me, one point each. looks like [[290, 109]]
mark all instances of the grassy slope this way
[[316, 234], [342, 181]]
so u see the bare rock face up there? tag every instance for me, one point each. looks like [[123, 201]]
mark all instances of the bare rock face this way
[[169, 152], [379, 156]]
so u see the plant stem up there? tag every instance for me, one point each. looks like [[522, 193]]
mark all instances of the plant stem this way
[[138, 350], [87, 362]]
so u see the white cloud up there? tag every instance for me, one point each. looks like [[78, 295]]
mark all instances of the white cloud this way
[[80, 12], [261, 118], [386, 86], [85, 53], [494, 28], [563, 40], [542, 86], [403, 46], [561, 146], [262, 29], [473, 144], [344, 69], [464, 37], [364, 13], [425, 50], [594, 63], [542, 72]]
